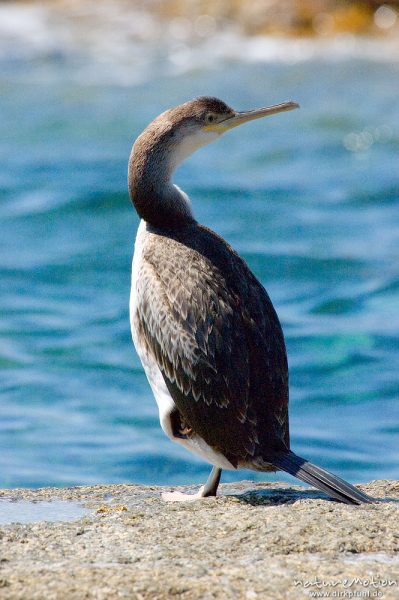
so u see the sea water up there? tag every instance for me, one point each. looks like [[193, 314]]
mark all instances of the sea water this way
[[309, 198]]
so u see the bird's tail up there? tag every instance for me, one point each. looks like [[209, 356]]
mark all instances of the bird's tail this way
[[320, 478]]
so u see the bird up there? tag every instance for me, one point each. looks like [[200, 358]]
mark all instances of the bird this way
[[204, 327]]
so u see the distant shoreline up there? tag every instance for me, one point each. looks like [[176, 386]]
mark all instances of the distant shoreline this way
[[192, 34], [200, 19]]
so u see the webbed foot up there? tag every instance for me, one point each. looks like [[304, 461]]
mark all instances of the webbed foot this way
[[207, 490], [181, 497]]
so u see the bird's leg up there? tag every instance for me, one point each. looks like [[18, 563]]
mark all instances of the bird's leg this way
[[179, 426], [209, 489], [212, 483]]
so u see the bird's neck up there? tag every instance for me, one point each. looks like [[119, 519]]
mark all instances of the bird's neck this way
[[156, 199]]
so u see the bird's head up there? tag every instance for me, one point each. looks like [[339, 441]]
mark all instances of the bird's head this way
[[181, 130], [167, 142]]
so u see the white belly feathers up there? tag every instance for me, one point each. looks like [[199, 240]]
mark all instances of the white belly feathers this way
[[161, 393]]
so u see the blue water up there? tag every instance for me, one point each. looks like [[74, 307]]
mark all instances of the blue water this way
[[310, 199], [24, 511]]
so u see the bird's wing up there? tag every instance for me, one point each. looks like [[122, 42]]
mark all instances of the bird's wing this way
[[217, 340]]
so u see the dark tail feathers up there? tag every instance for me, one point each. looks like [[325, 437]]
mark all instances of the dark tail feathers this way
[[320, 478]]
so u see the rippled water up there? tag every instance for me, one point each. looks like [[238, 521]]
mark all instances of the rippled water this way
[[309, 198]]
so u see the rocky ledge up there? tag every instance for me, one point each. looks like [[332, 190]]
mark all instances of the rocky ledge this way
[[253, 541]]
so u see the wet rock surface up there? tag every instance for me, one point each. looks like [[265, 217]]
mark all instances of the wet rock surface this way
[[253, 541]]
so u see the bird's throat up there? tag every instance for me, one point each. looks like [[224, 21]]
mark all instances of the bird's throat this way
[[156, 199]]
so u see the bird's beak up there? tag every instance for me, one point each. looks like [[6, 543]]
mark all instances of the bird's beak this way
[[243, 117]]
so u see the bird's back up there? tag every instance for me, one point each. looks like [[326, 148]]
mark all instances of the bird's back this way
[[213, 332]]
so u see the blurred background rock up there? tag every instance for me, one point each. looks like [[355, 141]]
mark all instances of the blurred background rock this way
[[200, 18]]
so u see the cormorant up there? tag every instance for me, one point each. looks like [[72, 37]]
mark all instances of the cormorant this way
[[204, 327]]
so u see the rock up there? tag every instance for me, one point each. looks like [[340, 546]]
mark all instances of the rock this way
[[253, 541]]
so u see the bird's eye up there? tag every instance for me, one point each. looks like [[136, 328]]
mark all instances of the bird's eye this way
[[210, 118]]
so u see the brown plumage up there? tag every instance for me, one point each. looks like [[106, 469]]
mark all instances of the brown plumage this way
[[219, 345], [205, 328]]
